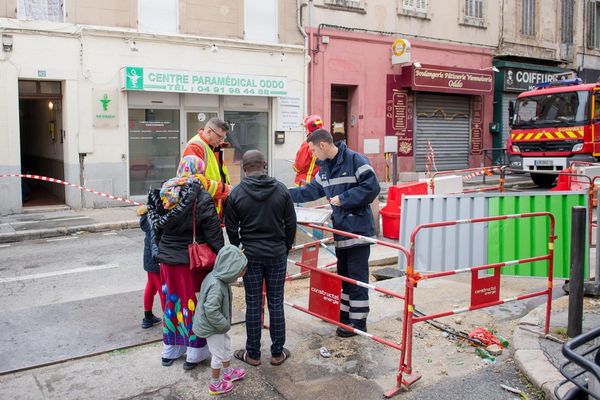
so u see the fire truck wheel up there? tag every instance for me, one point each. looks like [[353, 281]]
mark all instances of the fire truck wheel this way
[[544, 180]]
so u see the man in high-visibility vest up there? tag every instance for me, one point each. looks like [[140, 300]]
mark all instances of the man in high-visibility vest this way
[[207, 145], [305, 163]]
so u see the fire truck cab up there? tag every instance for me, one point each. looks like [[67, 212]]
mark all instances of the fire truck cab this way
[[553, 125]]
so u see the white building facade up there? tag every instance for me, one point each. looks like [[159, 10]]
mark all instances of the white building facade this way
[[111, 107]]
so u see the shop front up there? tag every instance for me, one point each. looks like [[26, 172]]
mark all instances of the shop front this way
[[512, 79], [166, 108], [427, 99], [437, 113]]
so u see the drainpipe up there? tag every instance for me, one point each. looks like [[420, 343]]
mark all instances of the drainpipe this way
[[82, 176], [299, 7], [311, 54]]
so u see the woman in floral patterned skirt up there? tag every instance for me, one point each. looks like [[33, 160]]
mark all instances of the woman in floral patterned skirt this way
[[170, 211]]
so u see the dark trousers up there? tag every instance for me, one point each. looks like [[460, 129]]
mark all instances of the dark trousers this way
[[272, 271], [353, 263]]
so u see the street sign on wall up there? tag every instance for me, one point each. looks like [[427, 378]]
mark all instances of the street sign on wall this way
[[176, 81]]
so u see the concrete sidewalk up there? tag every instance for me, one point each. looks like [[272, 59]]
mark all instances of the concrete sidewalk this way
[[46, 222], [540, 358]]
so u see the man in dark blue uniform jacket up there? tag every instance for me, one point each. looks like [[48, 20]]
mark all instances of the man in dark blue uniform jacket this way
[[350, 184]]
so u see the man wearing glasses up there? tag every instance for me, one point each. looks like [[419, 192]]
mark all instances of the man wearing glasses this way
[[207, 145]]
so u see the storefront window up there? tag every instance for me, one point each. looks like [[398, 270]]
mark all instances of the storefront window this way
[[153, 148], [196, 121], [249, 131]]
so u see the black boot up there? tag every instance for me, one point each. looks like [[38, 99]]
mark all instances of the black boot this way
[[149, 320]]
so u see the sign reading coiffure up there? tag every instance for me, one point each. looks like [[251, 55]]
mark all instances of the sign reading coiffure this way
[[452, 80], [522, 80]]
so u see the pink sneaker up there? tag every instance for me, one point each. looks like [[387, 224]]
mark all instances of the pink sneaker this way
[[221, 388], [235, 375]]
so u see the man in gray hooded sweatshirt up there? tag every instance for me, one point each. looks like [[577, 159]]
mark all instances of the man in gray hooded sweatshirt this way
[[259, 214]]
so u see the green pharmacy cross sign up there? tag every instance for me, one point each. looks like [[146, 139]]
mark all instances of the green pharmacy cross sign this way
[[175, 81]]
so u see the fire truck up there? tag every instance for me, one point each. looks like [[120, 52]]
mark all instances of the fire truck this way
[[553, 125]]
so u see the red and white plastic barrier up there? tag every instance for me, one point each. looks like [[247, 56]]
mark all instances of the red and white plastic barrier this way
[[54, 180], [477, 173]]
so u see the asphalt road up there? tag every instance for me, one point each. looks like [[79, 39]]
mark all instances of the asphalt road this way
[[71, 296]]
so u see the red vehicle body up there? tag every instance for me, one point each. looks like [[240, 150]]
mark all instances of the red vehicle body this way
[[552, 126]]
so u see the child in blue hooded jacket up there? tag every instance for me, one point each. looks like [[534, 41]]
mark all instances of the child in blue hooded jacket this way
[[153, 285], [212, 319]]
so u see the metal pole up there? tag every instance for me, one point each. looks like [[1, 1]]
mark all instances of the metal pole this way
[[597, 273], [578, 229], [395, 167]]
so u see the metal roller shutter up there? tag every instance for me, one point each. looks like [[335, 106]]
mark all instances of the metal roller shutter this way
[[444, 120], [507, 98]]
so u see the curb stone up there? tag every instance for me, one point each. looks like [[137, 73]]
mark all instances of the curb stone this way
[[531, 360], [64, 231]]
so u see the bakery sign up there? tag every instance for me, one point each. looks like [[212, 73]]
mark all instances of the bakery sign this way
[[452, 80]]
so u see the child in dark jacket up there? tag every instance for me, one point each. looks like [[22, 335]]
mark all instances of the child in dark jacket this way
[[153, 284], [212, 319]]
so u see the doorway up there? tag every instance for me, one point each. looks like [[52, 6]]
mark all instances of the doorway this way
[[41, 137], [339, 112], [249, 131]]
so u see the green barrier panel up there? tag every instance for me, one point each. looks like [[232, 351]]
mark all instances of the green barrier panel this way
[[528, 237]]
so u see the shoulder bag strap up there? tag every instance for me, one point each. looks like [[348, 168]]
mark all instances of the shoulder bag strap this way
[[194, 221]]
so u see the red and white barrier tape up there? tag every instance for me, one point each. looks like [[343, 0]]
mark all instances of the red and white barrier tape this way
[[474, 174], [54, 180]]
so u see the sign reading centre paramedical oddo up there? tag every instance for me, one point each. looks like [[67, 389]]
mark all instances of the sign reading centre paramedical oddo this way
[[175, 81]]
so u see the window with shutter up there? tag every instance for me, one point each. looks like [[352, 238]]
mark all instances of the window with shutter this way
[[159, 16], [414, 7], [350, 4], [44, 10], [566, 30], [528, 15], [474, 12]]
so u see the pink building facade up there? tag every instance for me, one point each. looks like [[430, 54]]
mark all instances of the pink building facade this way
[[442, 100]]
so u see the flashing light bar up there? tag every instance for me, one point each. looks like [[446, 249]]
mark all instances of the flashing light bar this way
[[562, 82]]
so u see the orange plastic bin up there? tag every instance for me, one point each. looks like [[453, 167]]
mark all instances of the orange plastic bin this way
[[390, 214]]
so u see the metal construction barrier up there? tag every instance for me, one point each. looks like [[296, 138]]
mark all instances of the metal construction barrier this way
[[582, 368], [484, 291], [444, 249], [325, 290]]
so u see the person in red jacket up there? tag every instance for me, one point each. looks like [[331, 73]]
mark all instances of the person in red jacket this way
[[305, 163]]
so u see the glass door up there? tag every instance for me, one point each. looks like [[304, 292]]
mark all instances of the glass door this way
[[153, 148], [196, 120], [249, 131]]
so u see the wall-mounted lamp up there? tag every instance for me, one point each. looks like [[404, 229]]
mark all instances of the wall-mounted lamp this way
[[50, 105], [283, 57], [214, 48], [7, 43], [495, 69], [417, 64], [133, 46]]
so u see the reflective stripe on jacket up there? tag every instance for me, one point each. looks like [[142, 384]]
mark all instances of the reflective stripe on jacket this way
[[216, 182], [350, 177]]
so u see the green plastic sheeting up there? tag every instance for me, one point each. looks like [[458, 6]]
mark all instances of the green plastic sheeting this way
[[520, 238]]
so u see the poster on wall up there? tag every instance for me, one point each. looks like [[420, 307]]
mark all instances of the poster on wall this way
[[476, 124], [105, 107], [289, 115], [399, 111]]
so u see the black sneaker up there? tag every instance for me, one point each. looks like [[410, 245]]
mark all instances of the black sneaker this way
[[150, 322], [167, 362], [341, 332], [188, 365]]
